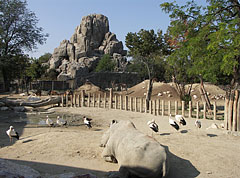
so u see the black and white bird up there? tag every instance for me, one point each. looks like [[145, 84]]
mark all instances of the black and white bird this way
[[61, 121], [153, 126], [12, 133], [173, 123], [49, 122], [198, 124], [87, 122], [180, 119]]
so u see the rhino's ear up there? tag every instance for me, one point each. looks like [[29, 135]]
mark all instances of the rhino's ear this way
[[114, 122]]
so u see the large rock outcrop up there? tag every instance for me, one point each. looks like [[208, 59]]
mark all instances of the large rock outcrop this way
[[90, 41]]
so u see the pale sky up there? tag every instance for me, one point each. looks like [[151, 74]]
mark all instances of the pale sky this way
[[59, 18]]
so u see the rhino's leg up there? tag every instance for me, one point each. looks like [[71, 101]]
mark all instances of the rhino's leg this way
[[105, 138]]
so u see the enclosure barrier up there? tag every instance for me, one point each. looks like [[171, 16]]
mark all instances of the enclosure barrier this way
[[157, 107]]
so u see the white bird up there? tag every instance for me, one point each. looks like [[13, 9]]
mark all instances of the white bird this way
[[180, 119], [12, 133], [87, 122], [173, 123], [198, 124], [49, 122], [152, 125], [61, 121]]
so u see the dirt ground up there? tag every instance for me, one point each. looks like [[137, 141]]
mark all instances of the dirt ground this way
[[202, 153]]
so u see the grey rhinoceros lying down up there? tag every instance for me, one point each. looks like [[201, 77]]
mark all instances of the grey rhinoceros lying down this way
[[136, 153]]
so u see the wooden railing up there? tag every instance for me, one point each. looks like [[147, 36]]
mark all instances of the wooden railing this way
[[157, 107]]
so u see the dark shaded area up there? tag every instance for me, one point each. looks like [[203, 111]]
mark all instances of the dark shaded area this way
[[164, 134], [54, 169], [184, 131], [211, 135]]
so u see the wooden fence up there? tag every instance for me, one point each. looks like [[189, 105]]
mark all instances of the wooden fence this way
[[137, 104]]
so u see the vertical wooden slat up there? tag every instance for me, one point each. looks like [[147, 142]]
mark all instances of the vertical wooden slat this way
[[150, 107], [169, 108], [110, 98], [234, 128], [131, 104], [238, 114], [176, 107], [226, 112], [99, 100], [141, 105], [62, 100], [197, 107], [183, 108], [89, 100], [105, 100], [93, 99], [190, 110], [71, 100], [136, 106], [66, 100], [158, 107], [230, 112], [74, 100], [204, 110], [154, 107], [163, 107], [83, 98], [116, 101], [145, 101], [126, 102], [214, 110], [121, 102]]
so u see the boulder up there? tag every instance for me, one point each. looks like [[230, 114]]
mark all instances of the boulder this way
[[90, 41]]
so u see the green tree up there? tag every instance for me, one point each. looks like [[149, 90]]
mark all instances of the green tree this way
[[147, 49], [18, 33], [211, 37], [105, 64]]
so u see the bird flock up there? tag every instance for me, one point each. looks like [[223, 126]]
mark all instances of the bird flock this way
[[175, 123]]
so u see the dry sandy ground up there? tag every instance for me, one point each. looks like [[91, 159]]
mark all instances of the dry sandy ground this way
[[204, 153]]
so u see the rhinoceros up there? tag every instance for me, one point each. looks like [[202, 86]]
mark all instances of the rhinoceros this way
[[136, 153]]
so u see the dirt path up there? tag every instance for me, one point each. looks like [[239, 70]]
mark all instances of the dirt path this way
[[204, 153]]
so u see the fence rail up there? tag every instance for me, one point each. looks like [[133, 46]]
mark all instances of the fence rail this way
[[138, 104]]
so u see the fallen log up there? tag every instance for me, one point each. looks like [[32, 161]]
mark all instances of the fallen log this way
[[35, 104]]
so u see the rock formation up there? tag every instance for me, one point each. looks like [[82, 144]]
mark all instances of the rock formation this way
[[90, 41]]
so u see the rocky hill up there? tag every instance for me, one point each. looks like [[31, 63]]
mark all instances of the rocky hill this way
[[90, 41]]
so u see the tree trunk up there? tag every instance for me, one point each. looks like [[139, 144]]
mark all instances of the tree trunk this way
[[204, 95]]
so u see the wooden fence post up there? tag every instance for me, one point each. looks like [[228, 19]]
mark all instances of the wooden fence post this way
[[226, 112], [99, 100], [163, 107], [136, 109], [116, 101], [234, 128], [204, 110], [197, 107], [89, 100], [190, 110], [83, 98], [169, 108], [146, 105], [93, 99], [62, 100], [121, 102], [66, 100], [230, 112], [176, 107], [79, 100], [154, 107], [158, 107], [238, 114], [141, 104], [105, 100], [183, 108], [214, 110], [131, 104], [150, 107], [110, 98], [126, 102]]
